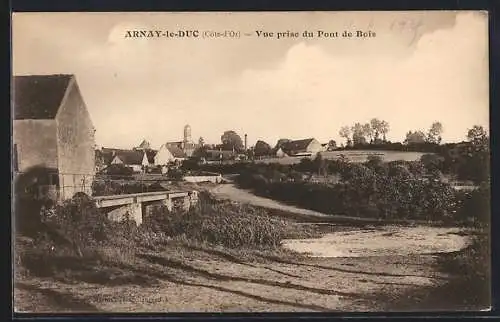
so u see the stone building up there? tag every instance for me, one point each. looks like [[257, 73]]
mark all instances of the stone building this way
[[53, 131]]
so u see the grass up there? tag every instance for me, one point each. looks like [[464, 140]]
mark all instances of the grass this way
[[227, 224], [357, 156]]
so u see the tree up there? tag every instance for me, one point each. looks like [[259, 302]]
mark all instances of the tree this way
[[358, 134], [379, 127], [432, 163], [201, 142], [375, 125], [414, 137], [384, 129], [368, 131], [478, 137], [345, 132], [262, 149], [231, 140], [332, 145], [476, 162], [434, 134], [200, 152]]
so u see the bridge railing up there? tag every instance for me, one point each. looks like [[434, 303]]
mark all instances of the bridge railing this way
[[61, 185]]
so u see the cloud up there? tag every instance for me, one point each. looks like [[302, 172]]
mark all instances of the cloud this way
[[313, 92], [266, 88]]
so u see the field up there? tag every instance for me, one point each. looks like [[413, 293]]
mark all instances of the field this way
[[357, 156]]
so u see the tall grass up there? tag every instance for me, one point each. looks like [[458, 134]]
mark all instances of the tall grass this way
[[223, 223]]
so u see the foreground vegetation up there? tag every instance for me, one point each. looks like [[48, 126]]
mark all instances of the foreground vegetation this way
[[469, 287], [78, 232]]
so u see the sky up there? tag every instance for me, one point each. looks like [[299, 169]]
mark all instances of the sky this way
[[421, 67]]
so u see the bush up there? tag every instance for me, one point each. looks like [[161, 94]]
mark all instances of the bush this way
[[112, 187], [474, 206], [119, 170], [388, 191], [77, 221], [221, 223]]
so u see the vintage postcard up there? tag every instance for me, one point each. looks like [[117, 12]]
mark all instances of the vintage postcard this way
[[251, 161]]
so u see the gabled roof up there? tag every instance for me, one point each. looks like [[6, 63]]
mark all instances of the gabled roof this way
[[130, 157], [150, 154], [144, 145], [38, 96], [176, 151], [297, 145]]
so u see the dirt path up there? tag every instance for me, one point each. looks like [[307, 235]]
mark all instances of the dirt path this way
[[231, 192]]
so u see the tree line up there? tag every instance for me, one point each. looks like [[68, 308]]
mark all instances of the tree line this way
[[369, 135]]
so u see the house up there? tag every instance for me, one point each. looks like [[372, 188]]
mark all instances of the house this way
[[280, 153], [167, 154], [143, 146], [130, 158], [148, 159], [52, 130], [305, 147]]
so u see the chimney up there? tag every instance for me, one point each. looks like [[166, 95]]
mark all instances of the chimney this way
[[246, 142]]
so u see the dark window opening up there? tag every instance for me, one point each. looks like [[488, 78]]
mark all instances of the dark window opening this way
[[54, 179]]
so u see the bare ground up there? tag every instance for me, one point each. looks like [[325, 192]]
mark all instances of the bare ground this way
[[186, 278]]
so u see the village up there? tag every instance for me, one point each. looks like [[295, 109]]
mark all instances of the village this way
[[56, 132]]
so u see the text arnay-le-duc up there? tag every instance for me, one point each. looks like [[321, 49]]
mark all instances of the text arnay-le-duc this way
[[258, 33]]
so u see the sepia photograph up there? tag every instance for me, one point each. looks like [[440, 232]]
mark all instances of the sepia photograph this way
[[168, 162]]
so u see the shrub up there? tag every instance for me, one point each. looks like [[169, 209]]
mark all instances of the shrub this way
[[474, 206], [119, 170], [220, 223], [391, 192], [77, 221], [112, 187]]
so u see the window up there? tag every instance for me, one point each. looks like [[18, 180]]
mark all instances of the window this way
[[54, 179], [15, 158]]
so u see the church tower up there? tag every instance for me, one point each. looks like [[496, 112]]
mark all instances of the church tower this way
[[187, 134]]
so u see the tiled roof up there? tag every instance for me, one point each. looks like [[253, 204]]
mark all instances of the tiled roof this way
[[144, 145], [130, 157], [38, 96], [297, 145], [176, 151]]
